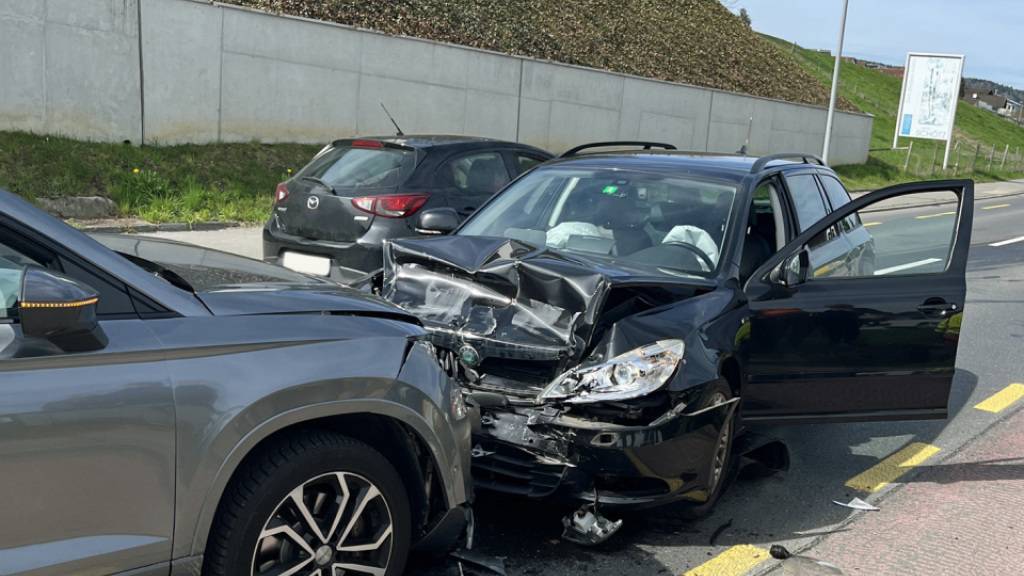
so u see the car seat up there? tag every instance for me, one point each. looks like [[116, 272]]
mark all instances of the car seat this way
[[756, 248]]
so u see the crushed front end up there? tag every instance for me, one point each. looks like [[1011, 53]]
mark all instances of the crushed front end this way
[[590, 377]]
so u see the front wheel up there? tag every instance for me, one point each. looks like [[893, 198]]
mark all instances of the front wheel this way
[[314, 503]]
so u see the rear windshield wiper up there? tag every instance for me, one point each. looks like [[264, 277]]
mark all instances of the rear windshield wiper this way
[[320, 182]]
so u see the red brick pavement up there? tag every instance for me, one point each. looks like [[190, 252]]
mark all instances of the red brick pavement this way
[[962, 516]]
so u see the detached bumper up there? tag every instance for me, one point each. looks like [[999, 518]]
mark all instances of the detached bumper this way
[[539, 453]]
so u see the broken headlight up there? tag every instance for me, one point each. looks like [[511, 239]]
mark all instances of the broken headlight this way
[[631, 375]]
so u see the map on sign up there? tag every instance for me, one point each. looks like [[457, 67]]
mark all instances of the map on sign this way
[[931, 86]]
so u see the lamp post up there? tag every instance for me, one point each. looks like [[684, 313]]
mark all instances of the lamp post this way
[[835, 84]]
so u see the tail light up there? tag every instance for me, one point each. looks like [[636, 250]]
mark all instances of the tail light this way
[[281, 193], [393, 206], [376, 144]]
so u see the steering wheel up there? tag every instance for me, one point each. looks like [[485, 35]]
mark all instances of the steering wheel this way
[[695, 250]]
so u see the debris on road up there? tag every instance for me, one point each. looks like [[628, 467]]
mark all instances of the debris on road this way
[[857, 504], [718, 532], [492, 564], [588, 528], [796, 565]]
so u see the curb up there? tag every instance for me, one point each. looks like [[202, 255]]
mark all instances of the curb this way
[[130, 228], [774, 566]]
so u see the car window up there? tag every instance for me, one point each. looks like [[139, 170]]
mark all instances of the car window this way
[[641, 217], [897, 237], [807, 200], [477, 173], [838, 197], [524, 162], [361, 167], [12, 268]]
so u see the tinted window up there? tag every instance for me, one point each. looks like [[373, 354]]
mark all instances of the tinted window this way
[[837, 194], [484, 172], [810, 207], [524, 163], [348, 167]]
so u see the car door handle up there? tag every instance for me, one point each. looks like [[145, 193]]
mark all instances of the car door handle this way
[[938, 307]]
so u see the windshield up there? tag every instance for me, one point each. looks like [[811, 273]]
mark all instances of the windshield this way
[[634, 216], [348, 167]]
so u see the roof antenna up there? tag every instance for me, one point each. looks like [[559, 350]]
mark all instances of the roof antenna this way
[[399, 130]]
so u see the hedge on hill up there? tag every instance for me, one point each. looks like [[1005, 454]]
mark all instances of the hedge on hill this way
[[691, 41]]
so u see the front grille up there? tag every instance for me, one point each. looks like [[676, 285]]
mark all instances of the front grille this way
[[512, 470]]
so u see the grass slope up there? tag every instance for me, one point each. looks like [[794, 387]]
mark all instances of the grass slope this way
[[190, 183], [876, 93], [691, 41]]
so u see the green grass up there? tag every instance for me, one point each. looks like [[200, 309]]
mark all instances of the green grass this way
[[188, 183], [976, 130]]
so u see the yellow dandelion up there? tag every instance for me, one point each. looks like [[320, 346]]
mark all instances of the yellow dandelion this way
[[135, 170], [289, 170]]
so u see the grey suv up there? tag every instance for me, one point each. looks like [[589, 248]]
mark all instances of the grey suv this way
[[169, 409]]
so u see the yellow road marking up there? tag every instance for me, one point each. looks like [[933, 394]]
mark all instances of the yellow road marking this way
[[927, 216], [1001, 400], [994, 206], [870, 224], [735, 561], [892, 467]]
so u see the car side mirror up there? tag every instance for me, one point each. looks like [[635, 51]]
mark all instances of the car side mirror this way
[[437, 221], [793, 270], [59, 310]]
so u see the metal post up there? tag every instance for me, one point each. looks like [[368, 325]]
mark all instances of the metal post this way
[[835, 85], [991, 156], [974, 160], [910, 150], [935, 157], [1005, 152], [956, 167]]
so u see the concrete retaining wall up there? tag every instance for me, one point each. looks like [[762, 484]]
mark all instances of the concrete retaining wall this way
[[220, 73]]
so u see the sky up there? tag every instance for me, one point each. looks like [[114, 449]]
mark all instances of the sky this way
[[990, 33]]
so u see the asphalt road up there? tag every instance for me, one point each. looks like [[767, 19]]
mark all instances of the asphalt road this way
[[795, 507]]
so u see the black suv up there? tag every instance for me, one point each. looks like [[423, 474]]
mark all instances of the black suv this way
[[616, 315], [332, 216]]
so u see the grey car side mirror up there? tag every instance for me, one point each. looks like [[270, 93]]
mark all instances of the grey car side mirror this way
[[793, 270], [437, 221], [59, 310]]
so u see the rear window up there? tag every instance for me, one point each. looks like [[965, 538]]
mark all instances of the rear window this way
[[358, 167]]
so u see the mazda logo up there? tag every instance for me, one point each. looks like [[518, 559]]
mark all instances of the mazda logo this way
[[313, 202]]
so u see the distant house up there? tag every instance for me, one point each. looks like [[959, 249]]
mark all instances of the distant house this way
[[998, 103]]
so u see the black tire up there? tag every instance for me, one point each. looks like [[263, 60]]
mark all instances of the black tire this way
[[680, 512], [260, 494]]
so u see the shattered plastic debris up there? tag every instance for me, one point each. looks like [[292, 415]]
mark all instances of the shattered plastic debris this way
[[492, 564], [588, 528], [796, 565], [857, 504]]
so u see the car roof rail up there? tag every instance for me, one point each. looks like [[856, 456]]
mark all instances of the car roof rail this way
[[644, 145], [803, 157]]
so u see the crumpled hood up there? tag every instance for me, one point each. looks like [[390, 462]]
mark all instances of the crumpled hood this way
[[509, 300]]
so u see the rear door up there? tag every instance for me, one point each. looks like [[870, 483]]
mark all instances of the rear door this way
[[470, 179], [875, 338]]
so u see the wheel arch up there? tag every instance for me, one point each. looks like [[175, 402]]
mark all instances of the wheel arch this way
[[394, 430]]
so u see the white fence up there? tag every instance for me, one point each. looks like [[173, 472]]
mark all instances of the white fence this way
[[202, 72]]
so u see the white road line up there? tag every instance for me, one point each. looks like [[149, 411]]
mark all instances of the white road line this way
[[1005, 242], [906, 266]]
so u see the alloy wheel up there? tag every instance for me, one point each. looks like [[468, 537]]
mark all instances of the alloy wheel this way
[[336, 523]]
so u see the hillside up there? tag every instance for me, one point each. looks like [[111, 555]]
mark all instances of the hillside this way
[[691, 41], [976, 130]]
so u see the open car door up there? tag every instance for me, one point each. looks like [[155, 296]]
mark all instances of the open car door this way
[[868, 332]]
